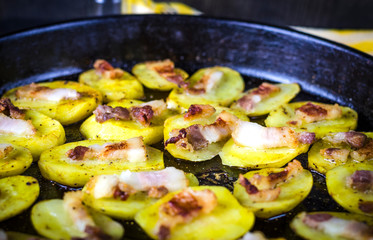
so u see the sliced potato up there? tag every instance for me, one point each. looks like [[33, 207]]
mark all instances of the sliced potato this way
[[284, 115], [229, 220], [56, 166], [274, 101], [126, 87], [65, 111], [123, 209], [351, 199], [52, 221], [227, 90], [323, 164], [17, 193], [178, 122], [49, 133], [152, 79], [292, 192], [252, 158], [310, 233], [15, 162], [121, 130]]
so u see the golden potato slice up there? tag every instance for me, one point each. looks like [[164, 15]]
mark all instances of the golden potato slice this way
[[322, 163], [285, 116], [272, 102], [224, 93], [16, 161], [228, 220], [49, 133], [335, 232], [292, 191], [52, 221], [351, 197], [178, 122], [252, 158], [66, 111], [17, 193], [126, 209], [152, 79], [55, 165], [126, 87], [121, 130]]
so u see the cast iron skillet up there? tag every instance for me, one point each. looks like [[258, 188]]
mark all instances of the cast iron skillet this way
[[326, 71]]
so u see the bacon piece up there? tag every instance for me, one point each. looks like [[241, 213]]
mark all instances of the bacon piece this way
[[310, 112], [197, 136], [209, 81], [131, 150], [155, 183], [352, 138], [93, 233], [72, 202], [8, 109], [142, 114], [365, 152], [366, 207], [262, 188], [361, 180], [337, 227], [254, 236], [158, 106], [18, 127], [166, 69], [199, 111], [183, 208], [104, 113], [5, 149], [105, 69], [35, 91], [252, 98], [256, 136], [337, 154]]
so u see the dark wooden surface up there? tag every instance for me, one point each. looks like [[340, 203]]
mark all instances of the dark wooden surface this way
[[16, 15]]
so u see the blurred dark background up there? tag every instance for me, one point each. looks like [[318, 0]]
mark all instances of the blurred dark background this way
[[16, 15]]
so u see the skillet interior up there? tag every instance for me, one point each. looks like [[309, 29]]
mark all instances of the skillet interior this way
[[326, 72]]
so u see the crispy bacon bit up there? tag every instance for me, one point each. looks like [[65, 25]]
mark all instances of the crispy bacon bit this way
[[183, 208], [106, 70], [5, 149], [252, 98], [256, 136], [197, 136], [250, 188], [36, 91], [366, 207], [157, 192], [356, 139], [361, 180], [209, 81], [104, 113], [199, 111], [365, 152], [93, 233], [313, 220], [72, 202], [121, 194], [8, 109], [142, 114], [310, 112], [166, 69], [337, 154], [337, 227], [265, 188], [77, 153]]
